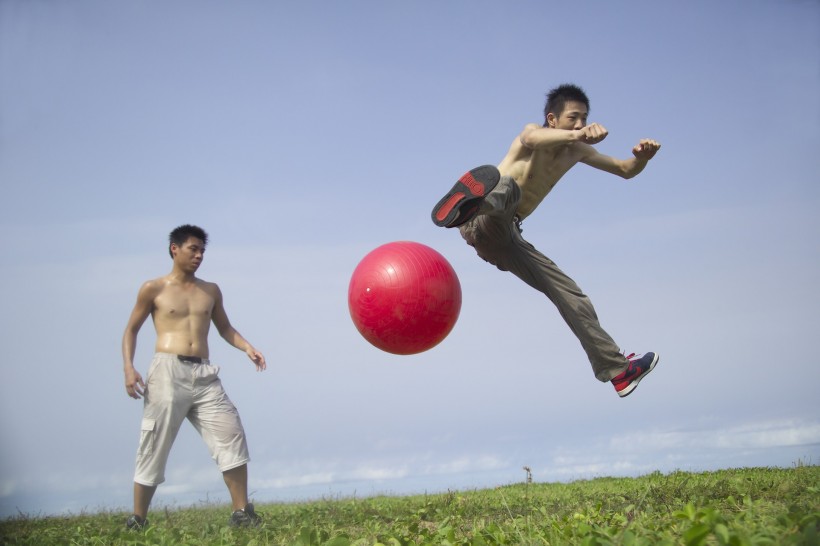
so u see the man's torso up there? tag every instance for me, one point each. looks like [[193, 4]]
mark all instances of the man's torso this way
[[182, 314], [537, 171]]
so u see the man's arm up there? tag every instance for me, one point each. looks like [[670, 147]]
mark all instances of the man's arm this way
[[134, 385], [229, 333], [625, 168], [536, 137]]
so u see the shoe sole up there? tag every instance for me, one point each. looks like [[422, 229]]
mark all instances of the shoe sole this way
[[632, 386], [461, 203]]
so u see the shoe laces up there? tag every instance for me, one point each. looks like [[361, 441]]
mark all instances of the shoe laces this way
[[632, 358]]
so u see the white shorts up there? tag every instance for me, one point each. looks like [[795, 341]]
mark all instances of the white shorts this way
[[176, 390]]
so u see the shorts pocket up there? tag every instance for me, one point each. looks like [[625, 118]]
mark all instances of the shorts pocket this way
[[147, 435], [207, 373]]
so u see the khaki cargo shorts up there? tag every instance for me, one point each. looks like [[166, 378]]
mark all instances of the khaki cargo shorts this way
[[179, 389]]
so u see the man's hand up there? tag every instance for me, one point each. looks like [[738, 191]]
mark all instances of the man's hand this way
[[134, 385], [646, 149], [592, 133], [257, 358]]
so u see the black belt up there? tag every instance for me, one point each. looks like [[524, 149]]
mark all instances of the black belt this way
[[190, 359]]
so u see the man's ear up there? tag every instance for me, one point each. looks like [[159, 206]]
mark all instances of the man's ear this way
[[173, 249], [551, 120]]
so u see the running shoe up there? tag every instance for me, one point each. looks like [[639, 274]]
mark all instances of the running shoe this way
[[639, 366], [136, 523], [461, 204], [245, 517]]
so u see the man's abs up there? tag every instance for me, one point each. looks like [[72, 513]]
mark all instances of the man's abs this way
[[536, 172], [182, 321], [182, 344]]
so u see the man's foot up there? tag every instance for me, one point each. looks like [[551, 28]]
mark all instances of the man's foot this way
[[246, 517], [626, 382], [136, 523], [461, 204]]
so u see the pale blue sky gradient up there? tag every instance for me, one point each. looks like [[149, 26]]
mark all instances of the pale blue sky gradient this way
[[301, 135]]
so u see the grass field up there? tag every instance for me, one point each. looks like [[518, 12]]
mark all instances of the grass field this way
[[753, 506]]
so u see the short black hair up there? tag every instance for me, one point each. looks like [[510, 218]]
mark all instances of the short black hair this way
[[182, 233], [557, 98]]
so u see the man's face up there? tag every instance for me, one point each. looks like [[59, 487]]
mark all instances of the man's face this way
[[189, 255], [573, 117]]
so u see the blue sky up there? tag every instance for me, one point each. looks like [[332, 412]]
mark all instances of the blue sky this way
[[302, 135]]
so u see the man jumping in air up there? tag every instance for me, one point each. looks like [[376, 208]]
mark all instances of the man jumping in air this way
[[488, 205]]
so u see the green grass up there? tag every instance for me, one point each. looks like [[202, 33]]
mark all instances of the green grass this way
[[753, 506]]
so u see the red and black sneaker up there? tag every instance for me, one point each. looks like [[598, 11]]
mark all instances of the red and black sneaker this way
[[461, 204], [637, 370]]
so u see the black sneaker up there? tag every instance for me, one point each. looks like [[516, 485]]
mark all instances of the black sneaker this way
[[461, 204], [136, 523], [246, 517], [626, 382]]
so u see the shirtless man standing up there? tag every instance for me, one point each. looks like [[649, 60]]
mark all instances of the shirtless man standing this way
[[489, 204], [182, 383]]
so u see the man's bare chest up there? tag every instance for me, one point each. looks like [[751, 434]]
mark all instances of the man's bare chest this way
[[181, 304], [547, 167]]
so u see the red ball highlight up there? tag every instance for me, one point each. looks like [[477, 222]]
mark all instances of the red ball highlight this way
[[404, 297]]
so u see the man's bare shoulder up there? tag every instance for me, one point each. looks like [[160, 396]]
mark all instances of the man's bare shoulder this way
[[166, 280], [210, 287], [206, 284], [154, 286], [517, 151], [149, 292], [528, 128]]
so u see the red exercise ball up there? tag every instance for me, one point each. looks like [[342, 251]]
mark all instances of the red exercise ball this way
[[404, 297]]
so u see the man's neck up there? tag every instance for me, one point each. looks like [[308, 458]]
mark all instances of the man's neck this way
[[181, 276]]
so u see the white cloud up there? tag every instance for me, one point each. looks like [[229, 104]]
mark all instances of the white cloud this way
[[464, 465], [378, 472], [295, 480], [767, 435], [7, 488], [760, 435]]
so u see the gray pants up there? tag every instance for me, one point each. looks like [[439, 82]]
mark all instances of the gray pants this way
[[496, 236]]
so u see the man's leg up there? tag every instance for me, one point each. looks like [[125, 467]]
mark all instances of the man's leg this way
[[216, 419], [496, 235], [237, 481], [142, 498], [163, 414], [574, 307], [497, 240], [608, 363], [243, 514]]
